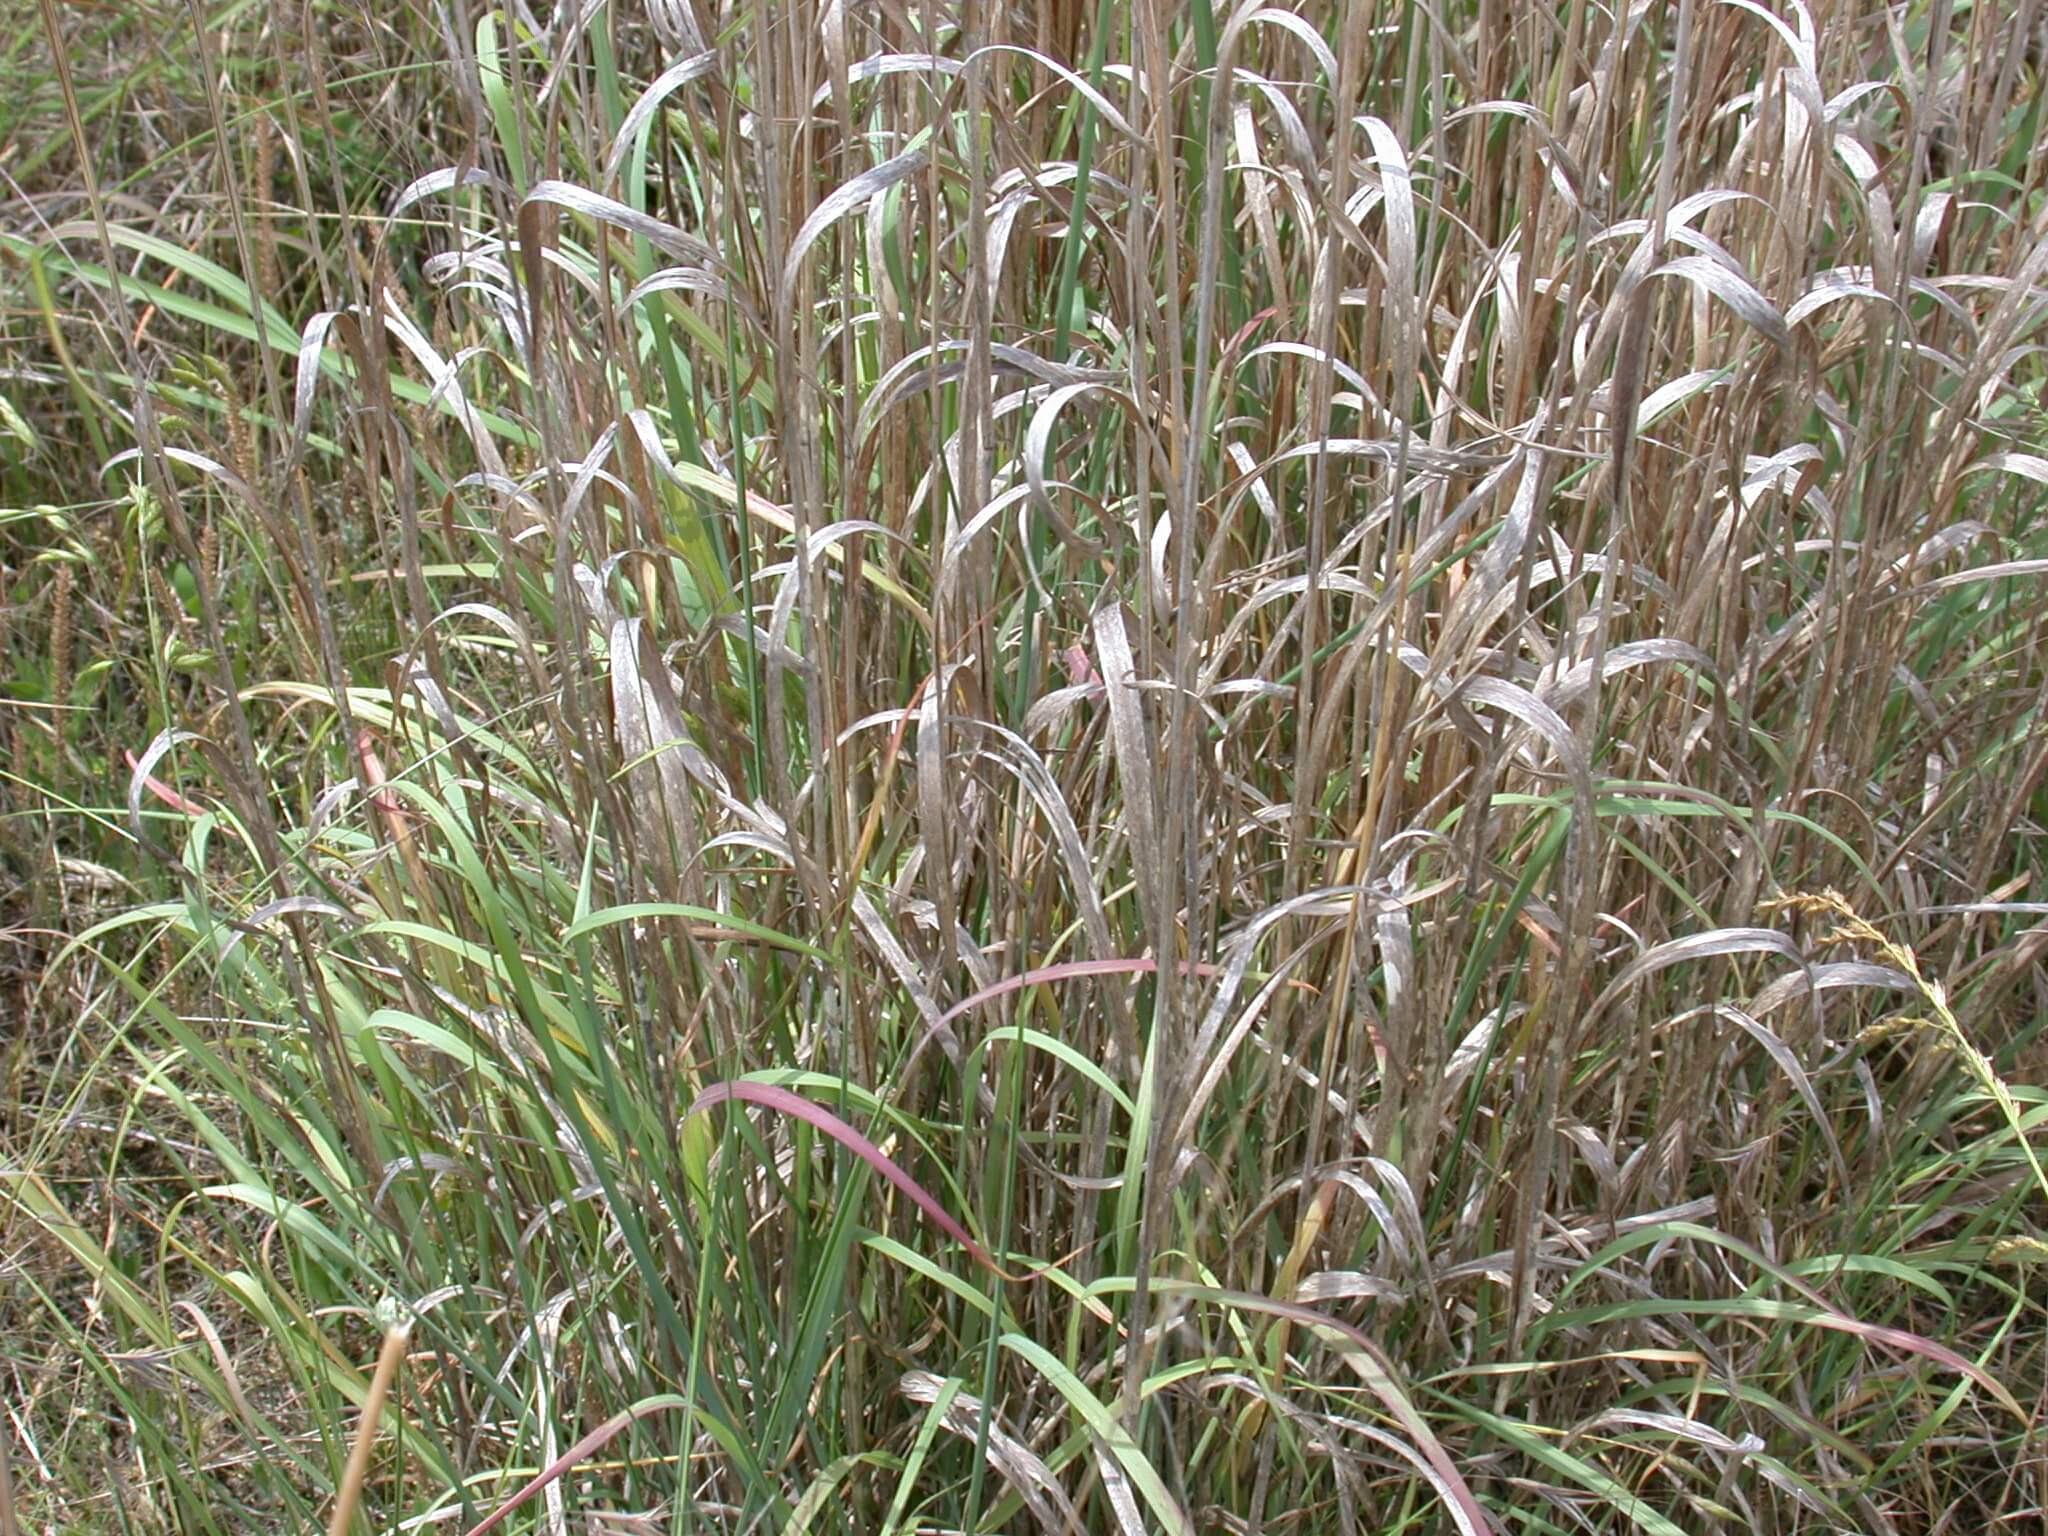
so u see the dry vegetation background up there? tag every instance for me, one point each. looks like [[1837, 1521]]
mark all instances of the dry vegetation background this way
[[1078, 768]]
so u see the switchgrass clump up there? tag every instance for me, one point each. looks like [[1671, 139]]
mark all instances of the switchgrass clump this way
[[1052, 768]]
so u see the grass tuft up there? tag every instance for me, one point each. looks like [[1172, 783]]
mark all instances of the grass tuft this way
[[1322, 725]]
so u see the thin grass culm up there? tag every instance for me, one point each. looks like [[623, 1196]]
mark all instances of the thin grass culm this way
[[1270, 768], [348, 1497]]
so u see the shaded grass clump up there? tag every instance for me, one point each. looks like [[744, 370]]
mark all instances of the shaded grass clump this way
[[1061, 768]]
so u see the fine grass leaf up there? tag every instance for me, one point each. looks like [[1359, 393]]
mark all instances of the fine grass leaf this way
[[836, 205], [1103, 1425], [781, 1100]]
